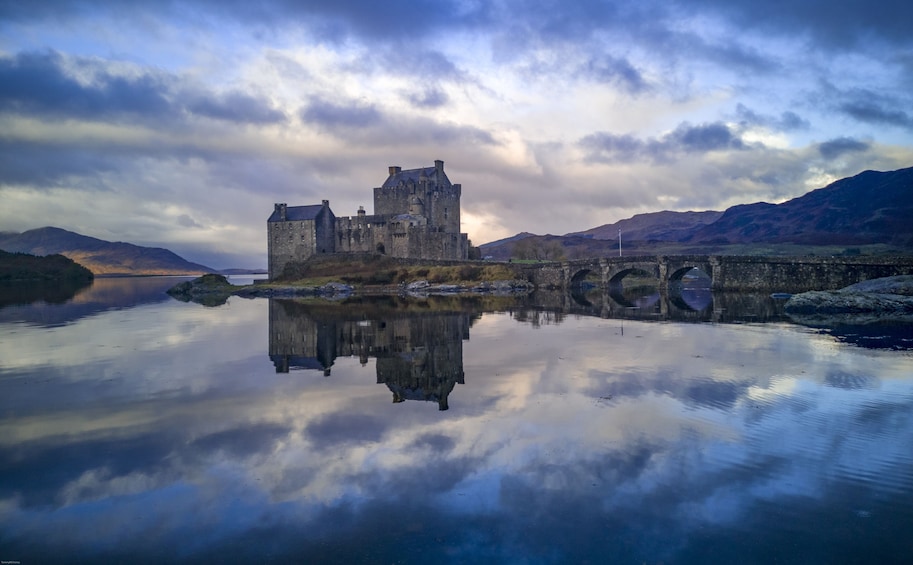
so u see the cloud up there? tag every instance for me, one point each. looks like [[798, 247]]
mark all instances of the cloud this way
[[685, 139], [838, 24], [187, 222], [787, 121], [365, 125], [37, 84], [842, 145], [330, 115], [868, 107], [429, 98], [49, 85], [617, 71], [236, 107]]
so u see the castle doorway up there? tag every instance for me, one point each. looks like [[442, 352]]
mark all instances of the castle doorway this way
[[381, 249]]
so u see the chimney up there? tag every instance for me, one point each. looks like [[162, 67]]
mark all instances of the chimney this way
[[326, 203], [394, 170], [439, 165], [361, 211], [281, 209]]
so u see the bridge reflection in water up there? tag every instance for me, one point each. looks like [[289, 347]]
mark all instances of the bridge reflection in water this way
[[676, 303]]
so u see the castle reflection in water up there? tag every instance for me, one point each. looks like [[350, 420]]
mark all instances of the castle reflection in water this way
[[417, 344], [419, 356]]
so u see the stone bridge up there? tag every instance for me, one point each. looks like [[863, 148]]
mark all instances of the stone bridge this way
[[726, 272]]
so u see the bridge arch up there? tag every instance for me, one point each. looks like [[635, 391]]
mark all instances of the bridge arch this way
[[617, 277], [578, 276]]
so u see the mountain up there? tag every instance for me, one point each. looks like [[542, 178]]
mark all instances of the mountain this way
[[656, 226], [869, 208], [99, 256]]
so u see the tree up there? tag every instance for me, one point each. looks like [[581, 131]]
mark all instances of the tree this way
[[538, 249]]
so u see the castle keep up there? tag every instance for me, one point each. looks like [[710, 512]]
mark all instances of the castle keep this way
[[416, 216]]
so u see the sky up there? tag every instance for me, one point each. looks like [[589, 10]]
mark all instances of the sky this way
[[180, 124]]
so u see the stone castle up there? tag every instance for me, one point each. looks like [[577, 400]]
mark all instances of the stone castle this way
[[416, 216]]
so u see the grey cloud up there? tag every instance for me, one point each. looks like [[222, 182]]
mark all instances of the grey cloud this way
[[331, 115], [186, 221], [704, 138], [787, 121], [237, 107], [686, 138], [429, 64], [617, 71], [429, 98], [38, 84], [47, 164], [35, 83], [841, 145], [366, 124], [335, 19], [837, 24], [877, 112]]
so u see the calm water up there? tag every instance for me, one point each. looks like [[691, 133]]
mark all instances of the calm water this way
[[138, 428]]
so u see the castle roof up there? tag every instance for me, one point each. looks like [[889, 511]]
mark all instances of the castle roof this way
[[413, 175], [297, 213]]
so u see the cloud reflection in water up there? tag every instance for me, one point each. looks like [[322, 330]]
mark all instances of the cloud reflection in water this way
[[566, 442]]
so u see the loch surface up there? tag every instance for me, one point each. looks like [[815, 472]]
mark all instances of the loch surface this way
[[137, 428]]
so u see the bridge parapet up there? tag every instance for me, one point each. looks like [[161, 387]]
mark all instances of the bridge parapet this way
[[727, 272]]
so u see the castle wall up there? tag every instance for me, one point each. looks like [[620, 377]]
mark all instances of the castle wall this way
[[296, 240], [360, 234], [289, 241]]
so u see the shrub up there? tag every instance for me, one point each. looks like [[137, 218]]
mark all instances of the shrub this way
[[382, 277], [470, 273]]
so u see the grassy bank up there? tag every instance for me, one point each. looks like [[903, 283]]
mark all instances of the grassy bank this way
[[380, 271]]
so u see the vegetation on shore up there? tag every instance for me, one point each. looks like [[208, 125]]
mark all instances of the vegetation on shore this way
[[382, 271], [22, 267]]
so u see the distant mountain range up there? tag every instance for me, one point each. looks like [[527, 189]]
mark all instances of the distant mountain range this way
[[871, 208], [99, 256]]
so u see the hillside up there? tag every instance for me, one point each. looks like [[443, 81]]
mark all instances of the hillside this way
[[99, 256], [655, 226], [870, 209], [21, 267]]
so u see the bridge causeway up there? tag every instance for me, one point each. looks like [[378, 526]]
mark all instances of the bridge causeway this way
[[726, 272]]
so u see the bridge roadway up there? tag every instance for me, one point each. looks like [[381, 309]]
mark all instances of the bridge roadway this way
[[726, 272]]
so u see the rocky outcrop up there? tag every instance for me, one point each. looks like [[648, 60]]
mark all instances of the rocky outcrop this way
[[214, 290], [877, 300], [423, 287]]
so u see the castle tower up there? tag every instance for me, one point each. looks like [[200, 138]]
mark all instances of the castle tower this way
[[440, 198]]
